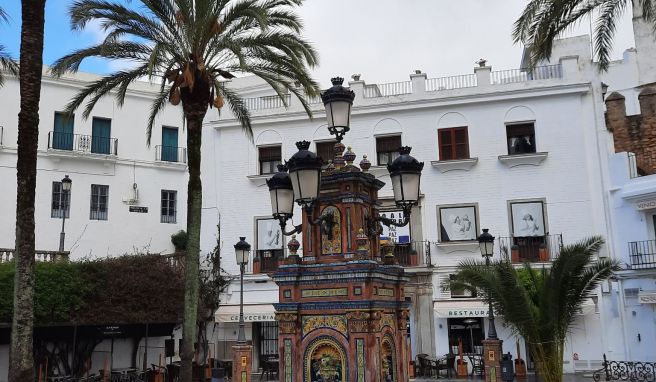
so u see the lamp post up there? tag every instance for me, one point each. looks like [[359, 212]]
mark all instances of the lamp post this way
[[66, 189], [242, 248], [486, 245]]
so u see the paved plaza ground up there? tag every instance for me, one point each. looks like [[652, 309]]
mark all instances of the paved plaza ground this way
[[585, 377]]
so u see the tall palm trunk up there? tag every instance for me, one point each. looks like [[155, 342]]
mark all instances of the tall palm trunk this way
[[194, 103], [21, 360]]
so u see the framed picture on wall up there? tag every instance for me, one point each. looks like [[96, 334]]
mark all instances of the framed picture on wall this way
[[527, 218], [458, 223], [269, 235]]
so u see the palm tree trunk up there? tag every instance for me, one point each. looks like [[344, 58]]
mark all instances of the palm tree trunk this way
[[194, 208], [21, 359]]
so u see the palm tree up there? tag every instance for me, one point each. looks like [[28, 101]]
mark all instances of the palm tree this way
[[6, 62], [187, 46], [542, 21], [541, 304], [21, 360]]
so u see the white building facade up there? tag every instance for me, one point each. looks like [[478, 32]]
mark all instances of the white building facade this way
[[126, 197]]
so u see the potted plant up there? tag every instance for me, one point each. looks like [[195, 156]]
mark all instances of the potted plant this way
[[179, 241]]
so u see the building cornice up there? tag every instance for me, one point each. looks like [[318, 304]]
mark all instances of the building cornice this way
[[284, 116]]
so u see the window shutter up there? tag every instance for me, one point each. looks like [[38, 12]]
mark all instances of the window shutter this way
[[325, 151], [388, 144], [270, 154], [446, 148]]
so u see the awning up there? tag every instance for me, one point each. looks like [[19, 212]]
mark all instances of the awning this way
[[455, 309], [252, 313], [477, 308]]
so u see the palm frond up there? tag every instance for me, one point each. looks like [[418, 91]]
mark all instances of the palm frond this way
[[543, 21]]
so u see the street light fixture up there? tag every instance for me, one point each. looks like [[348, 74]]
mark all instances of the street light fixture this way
[[338, 101], [66, 184], [303, 182], [486, 245], [242, 249]]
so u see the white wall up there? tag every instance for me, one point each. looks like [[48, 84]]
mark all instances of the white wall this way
[[124, 231]]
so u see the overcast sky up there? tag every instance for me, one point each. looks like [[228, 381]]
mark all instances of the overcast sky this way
[[384, 40]]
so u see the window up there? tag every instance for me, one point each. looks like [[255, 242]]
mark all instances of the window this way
[[268, 339], [169, 206], [326, 151], [387, 149], [460, 292], [99, 199], [62, 135], [270, 157], [270, 243], [60, 201], [454, 143], [521, 138], [101, 130]]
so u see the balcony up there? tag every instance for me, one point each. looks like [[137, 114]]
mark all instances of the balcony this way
[[642, 254], [266, 261], [82, 143], [170, 154], [413, 254], [534, 249], [547, 72], [7, 255]]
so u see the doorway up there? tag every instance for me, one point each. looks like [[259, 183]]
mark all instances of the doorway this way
[[469, 330]]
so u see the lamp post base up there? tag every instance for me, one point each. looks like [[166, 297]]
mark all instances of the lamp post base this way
[[491, 359], [242, 362]]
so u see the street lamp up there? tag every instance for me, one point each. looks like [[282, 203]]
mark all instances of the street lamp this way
[[338, 101], [242, 249], [486, 245], [305, 173], [302, 185], [64, 200]]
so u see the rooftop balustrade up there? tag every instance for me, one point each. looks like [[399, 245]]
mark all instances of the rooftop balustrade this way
[[7, 255]]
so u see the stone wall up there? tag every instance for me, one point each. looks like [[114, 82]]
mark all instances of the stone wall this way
[[634, 133]]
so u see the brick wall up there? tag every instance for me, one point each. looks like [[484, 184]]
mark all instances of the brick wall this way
[[634, 133]]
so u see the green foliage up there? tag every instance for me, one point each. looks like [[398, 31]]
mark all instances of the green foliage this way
[[127, 289], [541, 304], [542, 21], [179, 240]]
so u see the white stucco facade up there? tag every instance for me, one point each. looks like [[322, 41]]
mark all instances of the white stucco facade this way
[[134, 166]]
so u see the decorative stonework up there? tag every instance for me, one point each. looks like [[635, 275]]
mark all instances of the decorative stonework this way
[[332, 292], [454, 165], [288, 360], [358, 321], [404, 316], [534, 159], [359, 351], [287, 323], [311, 323], [388, 320], [325, 360]]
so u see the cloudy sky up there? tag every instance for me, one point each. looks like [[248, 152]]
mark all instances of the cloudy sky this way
[[384, 40]]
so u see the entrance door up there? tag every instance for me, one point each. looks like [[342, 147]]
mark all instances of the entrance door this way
[[170, 144], [468, 330]]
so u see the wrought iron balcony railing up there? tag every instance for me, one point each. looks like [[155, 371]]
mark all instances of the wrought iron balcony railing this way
[[7, 254], [413, 254], [82, 143], [642, 254], [170, 154], [531, 248]]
